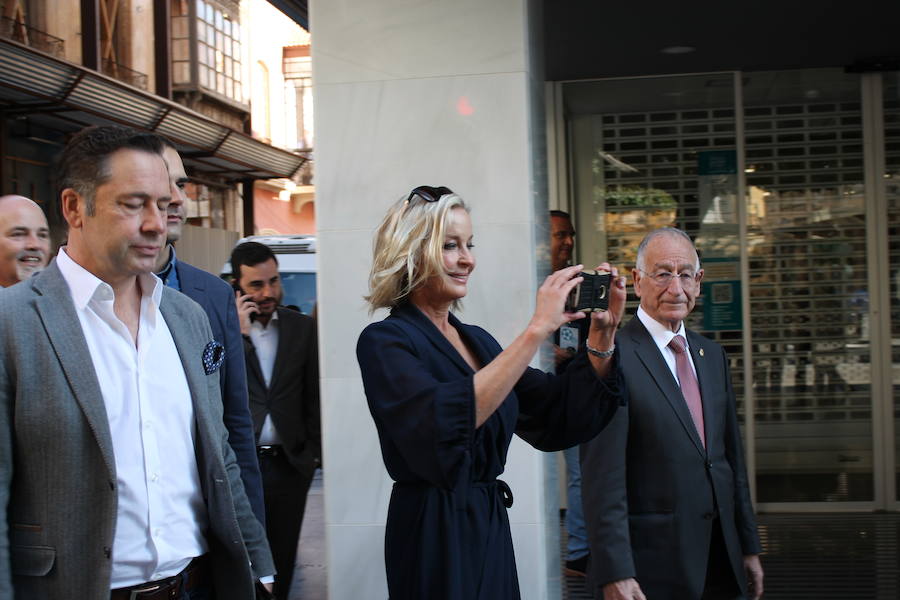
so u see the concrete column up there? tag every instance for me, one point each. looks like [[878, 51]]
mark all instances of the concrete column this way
[[438, 93]]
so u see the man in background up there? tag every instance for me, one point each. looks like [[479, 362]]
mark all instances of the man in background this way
[[24, 239], [281, 350], [567, 340], [215, 296]]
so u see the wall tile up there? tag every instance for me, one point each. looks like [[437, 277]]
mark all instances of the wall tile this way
[[357, 486], [356, 562], [398, 39], [468, 133]]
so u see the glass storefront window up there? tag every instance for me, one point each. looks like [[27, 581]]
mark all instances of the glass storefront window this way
[[808, 287], [648, 152]]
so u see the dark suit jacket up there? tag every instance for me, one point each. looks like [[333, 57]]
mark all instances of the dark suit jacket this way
[[651, 491], [58, 495], [293, 397], [217, 299]]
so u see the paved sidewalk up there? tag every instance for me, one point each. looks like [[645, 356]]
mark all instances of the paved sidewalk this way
[[310, 581]]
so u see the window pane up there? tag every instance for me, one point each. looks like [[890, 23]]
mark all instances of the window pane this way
[[809, 293], [204, 77], [179, 27], [181, 72], [180, 49]]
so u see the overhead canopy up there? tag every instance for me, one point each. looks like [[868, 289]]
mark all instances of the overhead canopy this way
[[65, 96], [297, 10]]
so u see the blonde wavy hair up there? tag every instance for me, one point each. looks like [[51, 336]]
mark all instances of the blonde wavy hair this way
[[408, 248]]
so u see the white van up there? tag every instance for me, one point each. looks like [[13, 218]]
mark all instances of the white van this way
[[296, 256]]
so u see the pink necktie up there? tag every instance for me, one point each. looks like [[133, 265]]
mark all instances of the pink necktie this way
[[689, 388]]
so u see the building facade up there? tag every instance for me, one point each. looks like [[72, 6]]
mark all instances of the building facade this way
[[179, 68]]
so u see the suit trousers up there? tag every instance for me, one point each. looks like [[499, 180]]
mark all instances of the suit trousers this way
[[720, 582], [284, 491]]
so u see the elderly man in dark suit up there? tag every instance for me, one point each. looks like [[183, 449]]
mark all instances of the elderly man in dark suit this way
[[665, 489], [216, 299], [115, 482], [281, 350]]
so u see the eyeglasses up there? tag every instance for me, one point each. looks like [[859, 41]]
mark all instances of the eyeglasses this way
[[664, 278], [428, 193]]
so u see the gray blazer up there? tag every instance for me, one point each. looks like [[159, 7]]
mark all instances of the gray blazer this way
[[58, 499]]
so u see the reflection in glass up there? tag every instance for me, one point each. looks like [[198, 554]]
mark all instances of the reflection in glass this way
[[808, 288]]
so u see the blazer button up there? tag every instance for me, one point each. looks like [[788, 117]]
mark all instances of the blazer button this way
[[107, 552], [708, 465], [708, 516]]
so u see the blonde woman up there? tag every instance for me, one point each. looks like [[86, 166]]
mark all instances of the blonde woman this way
[[446, 400]]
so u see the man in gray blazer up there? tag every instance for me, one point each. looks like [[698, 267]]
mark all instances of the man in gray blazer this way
[[664, 486], [116, 477]]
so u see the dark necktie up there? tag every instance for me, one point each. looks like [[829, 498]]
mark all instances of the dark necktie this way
[[689, 388]]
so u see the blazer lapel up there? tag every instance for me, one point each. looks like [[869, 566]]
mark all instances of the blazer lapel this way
[[57, 312], [648, 353], [409, 313], [281, 352], [189, 351]]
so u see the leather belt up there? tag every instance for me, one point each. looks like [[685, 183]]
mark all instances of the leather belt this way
[[170, 588], [270, 450]]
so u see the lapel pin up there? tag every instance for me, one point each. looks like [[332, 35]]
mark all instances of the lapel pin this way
[[701, 351]]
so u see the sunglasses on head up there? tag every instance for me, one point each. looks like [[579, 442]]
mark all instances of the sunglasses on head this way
[[428, 193]]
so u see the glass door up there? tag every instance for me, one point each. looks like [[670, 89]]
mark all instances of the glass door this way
[[808, 285], [792, 273]]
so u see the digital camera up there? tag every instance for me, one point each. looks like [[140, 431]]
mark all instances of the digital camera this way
[[591, 294]]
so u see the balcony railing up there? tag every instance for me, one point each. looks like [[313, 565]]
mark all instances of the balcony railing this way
[[35, 38], [124, 74]]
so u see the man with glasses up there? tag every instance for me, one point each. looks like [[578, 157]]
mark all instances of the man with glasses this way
[[665, 490]]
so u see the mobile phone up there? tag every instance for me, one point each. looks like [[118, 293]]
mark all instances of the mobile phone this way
[[591, 294], [237, 288]]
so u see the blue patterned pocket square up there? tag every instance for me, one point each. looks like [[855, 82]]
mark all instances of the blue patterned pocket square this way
[[213, 357]]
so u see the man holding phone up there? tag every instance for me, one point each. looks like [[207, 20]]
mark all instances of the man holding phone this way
[[281, 352]]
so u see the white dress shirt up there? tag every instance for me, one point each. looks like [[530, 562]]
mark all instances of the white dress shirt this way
[[662, 335], [265, 342], [161, 513]]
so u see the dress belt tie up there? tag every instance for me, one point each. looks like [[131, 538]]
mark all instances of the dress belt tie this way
[[501, 487]]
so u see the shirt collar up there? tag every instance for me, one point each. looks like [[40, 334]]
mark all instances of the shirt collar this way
[[164, 272], [661, 334], [272, 321], [85, 286]]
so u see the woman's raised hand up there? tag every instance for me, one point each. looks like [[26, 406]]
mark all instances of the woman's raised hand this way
[[549, 314], [610, 318]]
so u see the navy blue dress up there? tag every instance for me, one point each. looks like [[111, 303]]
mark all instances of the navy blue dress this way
[[448, 531]]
